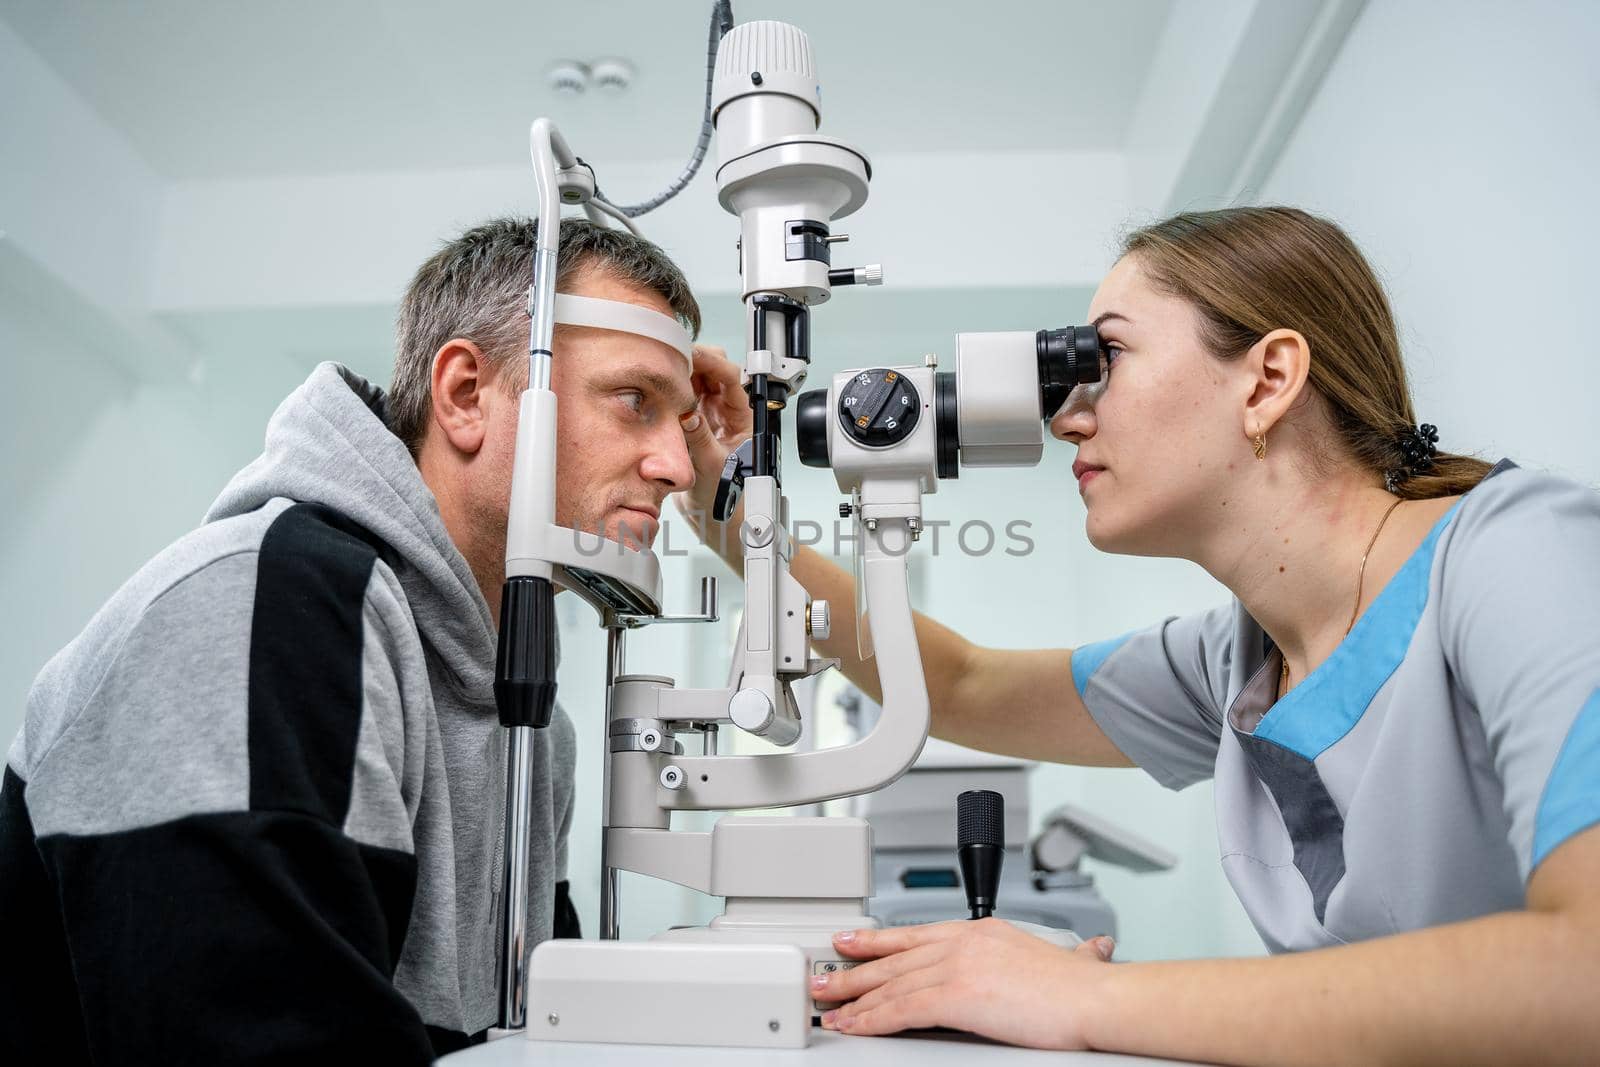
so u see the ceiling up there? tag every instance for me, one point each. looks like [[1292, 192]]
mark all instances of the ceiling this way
[[223, 88]]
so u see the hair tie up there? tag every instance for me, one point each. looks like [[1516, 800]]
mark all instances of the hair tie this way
[[1417, 448]]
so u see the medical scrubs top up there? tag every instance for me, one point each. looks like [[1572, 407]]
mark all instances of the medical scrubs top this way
[[1422, 773]]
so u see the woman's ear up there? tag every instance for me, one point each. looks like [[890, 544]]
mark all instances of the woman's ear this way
[[460, 378], [1278, 366]]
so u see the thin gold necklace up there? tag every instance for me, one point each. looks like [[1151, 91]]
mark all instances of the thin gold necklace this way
[[1355, 609]]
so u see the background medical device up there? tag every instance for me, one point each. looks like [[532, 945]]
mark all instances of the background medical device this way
[[788, 883], [916, 868]]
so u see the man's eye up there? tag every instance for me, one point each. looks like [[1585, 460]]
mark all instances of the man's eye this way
[[633, 400]]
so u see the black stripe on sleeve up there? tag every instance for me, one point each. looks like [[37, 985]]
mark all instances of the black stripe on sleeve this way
[[39, 1017], [306, 644], [240, 938]]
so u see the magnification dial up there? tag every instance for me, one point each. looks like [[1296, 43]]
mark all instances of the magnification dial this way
[[879, 407]]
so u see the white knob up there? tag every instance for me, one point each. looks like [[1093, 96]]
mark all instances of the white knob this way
[[751, 711], [672, 776], [756, 533], [821, 625]]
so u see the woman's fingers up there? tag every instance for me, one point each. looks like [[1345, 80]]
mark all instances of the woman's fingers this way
[[865, 977], [721, 397], [869, 944], [934, 972], [929, 1006], [712, 365], [986, 977], [1100, 947]]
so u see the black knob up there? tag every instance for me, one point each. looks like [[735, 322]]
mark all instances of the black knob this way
[[525, 656], [811, 427], [980, 846], [879, 407], [739, 465]]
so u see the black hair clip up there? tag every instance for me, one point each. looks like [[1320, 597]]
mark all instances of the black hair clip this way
[[1417, 449]]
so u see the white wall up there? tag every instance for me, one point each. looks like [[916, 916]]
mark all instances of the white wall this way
[[1460, 146], [109, 472]]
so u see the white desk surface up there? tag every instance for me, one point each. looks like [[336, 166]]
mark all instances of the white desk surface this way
[[827, 1047]]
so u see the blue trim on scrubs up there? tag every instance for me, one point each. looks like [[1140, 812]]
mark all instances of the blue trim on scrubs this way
[[1571, 800], [1087, 660], [1322, 709]]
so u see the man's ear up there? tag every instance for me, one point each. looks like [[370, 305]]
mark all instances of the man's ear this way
[[460, 381], [1278, 365]]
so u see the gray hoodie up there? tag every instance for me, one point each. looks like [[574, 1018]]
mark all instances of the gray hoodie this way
[[273, 761]]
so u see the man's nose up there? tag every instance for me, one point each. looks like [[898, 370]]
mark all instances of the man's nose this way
[[1075, 421], [667, 463]]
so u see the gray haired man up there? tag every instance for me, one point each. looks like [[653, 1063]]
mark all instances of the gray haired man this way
[[254, 811]]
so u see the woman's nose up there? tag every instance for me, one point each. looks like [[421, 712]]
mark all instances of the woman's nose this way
[[1075, 420]]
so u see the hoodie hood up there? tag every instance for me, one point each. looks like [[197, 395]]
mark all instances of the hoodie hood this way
[[328, 444]]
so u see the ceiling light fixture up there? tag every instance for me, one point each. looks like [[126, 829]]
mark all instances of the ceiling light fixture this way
[[612, 74], [568, 77]]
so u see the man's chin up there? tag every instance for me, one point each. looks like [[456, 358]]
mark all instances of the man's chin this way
[[632, 529]]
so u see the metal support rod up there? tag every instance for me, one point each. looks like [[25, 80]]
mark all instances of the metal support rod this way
[[616, 664], [514, 880]]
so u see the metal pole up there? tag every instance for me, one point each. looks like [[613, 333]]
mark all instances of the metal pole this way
[[615, 665], [514, 880]]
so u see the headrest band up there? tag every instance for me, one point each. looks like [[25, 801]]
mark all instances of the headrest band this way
[[624, 318]]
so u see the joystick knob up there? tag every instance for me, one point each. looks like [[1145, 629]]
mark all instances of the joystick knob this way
[[980, 846]]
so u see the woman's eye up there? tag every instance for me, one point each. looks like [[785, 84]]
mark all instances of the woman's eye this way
[[1108, 356]]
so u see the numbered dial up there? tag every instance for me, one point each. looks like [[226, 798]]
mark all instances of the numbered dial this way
[[879, 407]]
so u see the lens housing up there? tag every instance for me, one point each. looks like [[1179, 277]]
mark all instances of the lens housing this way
[[947, 414], [811, 427], [1068, 357]]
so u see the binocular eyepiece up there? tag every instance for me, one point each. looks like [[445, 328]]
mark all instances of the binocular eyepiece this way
[[987, 413]]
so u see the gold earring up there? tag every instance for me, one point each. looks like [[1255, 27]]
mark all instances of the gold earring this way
[[1260, 442]]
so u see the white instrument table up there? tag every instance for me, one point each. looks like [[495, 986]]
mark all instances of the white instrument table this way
[[827, 1046]]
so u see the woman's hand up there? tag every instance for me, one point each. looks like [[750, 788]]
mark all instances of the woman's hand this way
[[721, 421], [986, 977]]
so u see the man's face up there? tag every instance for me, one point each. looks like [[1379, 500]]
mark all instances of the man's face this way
[[619, 444]]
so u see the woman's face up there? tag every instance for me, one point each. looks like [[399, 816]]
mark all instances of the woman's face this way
[[1159, 437]]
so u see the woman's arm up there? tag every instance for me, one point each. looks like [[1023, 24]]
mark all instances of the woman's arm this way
[[1516, 987], [1017, 702]]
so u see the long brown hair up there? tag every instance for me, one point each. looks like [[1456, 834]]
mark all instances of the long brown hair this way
[[1252, 270]]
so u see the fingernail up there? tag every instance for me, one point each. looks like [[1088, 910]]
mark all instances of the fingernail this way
[[691, 424], [828, 1017], [844, 937], [1106, 947], [819, 981]]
